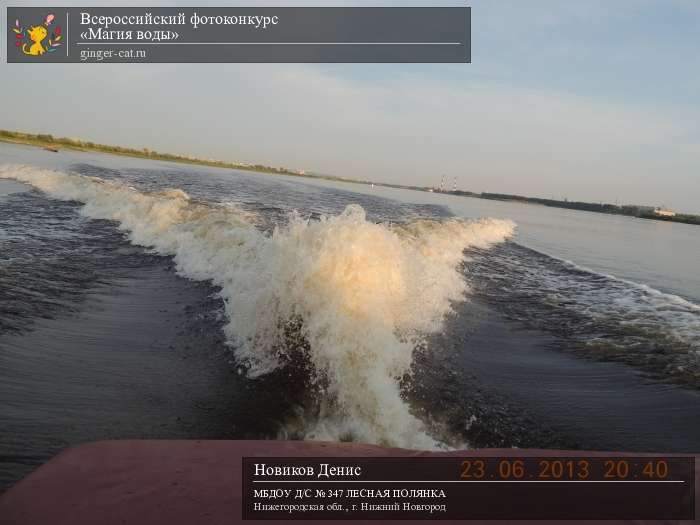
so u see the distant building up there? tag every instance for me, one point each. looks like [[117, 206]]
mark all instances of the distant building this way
[[664, 213]]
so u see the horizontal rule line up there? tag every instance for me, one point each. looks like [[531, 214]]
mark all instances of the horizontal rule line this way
[[478, 481], [269, 43]]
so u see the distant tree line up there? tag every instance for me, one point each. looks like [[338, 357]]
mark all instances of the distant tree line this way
[[679, 217], [644, 212], [46, 139]]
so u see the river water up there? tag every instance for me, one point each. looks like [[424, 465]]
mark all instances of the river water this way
[[158, 300]]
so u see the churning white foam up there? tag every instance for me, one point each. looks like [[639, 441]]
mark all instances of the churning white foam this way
[[364, 292]]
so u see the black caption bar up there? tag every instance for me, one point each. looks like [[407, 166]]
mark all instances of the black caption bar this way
[[476, 488], [245, 34]]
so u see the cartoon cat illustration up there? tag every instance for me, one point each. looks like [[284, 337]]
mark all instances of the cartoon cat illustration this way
[[36, 34]]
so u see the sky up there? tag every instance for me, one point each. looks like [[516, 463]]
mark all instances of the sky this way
[[592, 100]]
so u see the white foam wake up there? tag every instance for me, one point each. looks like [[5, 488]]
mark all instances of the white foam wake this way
[[363, 291]]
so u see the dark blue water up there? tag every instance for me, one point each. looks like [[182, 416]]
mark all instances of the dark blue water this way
[[102, 339]]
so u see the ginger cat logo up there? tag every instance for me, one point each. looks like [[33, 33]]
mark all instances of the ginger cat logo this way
[[33, 40]]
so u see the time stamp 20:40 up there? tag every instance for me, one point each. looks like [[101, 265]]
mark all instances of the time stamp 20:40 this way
[[602, 469]]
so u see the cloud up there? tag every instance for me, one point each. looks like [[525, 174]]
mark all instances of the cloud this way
[[491, 124]]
